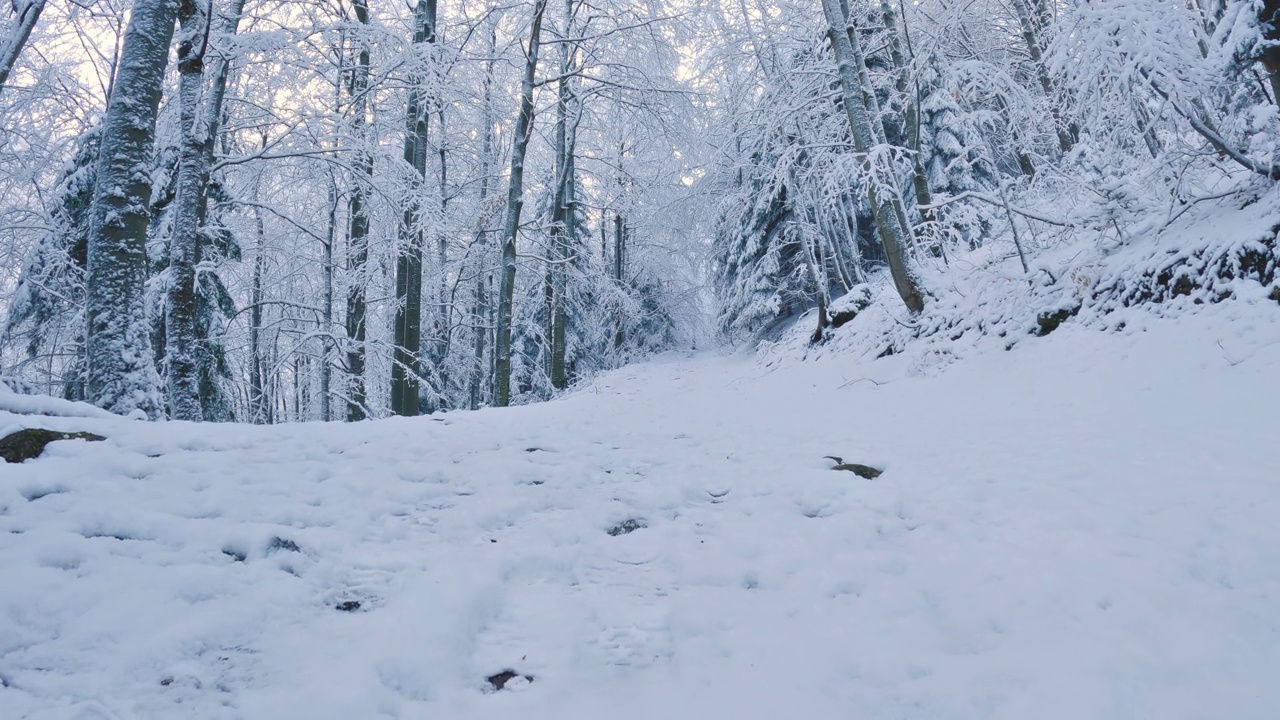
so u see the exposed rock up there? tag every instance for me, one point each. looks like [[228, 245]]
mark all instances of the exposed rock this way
[[348, 606], [279, 543], [629, 525], [30, 443], [846, 308], [862, 471], [1049, 321], [499, 681]]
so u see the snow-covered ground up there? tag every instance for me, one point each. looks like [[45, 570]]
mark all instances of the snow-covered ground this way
[[1086, 526]]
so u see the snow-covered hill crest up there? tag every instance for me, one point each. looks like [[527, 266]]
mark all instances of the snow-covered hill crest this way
[[1202, 254]]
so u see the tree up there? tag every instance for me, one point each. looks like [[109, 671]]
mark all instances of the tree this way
[[884, 201], [181, 306], [1269, 22], [46, 312], [563, 220], [358, 234], [515, 203], [406, 367], [192, 362], [1032, 28], [481, 370], [120, 375], [14, 35]]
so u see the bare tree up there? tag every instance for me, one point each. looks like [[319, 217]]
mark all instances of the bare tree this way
[[885, 204], [406, 367], [15, 34], [484, 280], [1032, 22], [515, 202], [564, 212], [181, 304], [358, 235]]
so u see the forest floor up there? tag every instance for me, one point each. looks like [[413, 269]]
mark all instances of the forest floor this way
[[1084, 526]]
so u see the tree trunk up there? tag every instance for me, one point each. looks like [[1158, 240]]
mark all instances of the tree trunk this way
[[121, 376], [483, 279], [259, 407], [358, 236], [181, 303], [1032, 39], [885, 206], [442, 317], [199, 131], [406, 367], [619, 263], [326, 300], [511, 228], [221, 70], [563, 215], [330, 268], [619, 246], [16, 34], [1269, 19], [910, 111], [820, 285]]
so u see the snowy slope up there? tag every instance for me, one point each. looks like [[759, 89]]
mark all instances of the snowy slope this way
[[1087, 526]]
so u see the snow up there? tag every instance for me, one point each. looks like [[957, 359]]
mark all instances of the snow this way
[[1081, 527], [16, 403]]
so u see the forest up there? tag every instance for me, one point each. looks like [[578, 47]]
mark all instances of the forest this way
[[280, 210], [884, 359]]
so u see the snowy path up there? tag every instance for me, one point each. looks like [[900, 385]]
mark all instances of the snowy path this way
[[1086, 527]]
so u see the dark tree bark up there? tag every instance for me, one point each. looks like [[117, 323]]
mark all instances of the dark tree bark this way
[[1269, 19], [326, 305], [406, 367], [619, 265], [358, 236], [188, 395], [564, 214]]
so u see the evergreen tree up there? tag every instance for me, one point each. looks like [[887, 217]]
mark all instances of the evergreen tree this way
[[756, 255], [952, 148], [46, 312]]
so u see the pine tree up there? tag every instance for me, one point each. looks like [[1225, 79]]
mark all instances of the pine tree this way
[[46, 312], [14, 35], [951, 146], [757, 257]]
